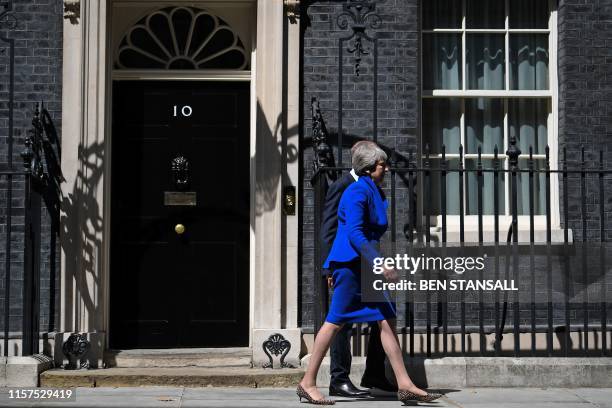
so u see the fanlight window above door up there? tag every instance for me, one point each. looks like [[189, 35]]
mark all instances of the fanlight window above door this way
[[181, 38]]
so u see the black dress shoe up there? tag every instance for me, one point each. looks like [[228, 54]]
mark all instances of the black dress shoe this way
[[347, 389], [380, 383]]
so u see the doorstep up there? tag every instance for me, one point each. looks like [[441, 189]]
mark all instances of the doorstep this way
[[189, 357], [172, 377]]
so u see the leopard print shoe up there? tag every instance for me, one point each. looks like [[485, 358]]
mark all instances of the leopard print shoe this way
[[301, 393], [405, 396]]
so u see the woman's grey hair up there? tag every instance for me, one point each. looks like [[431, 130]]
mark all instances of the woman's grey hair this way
[[365, 157]]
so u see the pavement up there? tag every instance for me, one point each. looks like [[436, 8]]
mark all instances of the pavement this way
[[285, 397]]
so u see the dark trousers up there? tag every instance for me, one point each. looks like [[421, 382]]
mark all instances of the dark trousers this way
[[340, 353]]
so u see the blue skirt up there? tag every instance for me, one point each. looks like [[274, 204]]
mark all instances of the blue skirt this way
[[346, 305]]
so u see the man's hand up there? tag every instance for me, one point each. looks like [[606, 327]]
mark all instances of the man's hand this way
[[390, 274], [330, 281]]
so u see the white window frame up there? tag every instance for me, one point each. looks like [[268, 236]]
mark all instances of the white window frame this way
[[471, 221]]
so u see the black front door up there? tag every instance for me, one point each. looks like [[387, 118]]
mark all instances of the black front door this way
[[180, 214]]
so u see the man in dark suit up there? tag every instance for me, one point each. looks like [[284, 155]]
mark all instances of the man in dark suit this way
[[340, 351]]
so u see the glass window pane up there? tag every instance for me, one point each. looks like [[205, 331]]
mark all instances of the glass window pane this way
[[488, 183], [485, 61], [539, 188], [529, 61], [441, 125], [442, 61], [485, 14], [441, 14], [529, 14], [528, 122], [484, 125], [451, 188]]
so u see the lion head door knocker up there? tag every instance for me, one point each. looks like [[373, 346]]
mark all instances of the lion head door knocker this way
[[180, 172]]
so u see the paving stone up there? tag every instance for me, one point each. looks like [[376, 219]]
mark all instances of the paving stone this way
[[285, 397]]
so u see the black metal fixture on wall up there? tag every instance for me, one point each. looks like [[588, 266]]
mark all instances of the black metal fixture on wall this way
[[323, 158], [32, 155], [293, 10], [361, 12], [360, 16], [35, 182], [72, 11], [289, 200]]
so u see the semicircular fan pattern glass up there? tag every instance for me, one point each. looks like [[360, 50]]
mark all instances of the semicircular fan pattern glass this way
[[181, 38]]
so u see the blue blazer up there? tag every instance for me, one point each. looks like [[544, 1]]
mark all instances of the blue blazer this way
[[362, 220], [329, 224]]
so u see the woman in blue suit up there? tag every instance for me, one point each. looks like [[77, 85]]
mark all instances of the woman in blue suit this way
[[362, 220]]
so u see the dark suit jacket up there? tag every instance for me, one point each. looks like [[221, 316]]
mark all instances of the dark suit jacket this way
[[329, 223]]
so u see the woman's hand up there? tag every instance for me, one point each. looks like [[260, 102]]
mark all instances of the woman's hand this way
[[390, 274], [330, 281]]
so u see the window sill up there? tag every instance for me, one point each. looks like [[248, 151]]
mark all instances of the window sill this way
[[471, 235]]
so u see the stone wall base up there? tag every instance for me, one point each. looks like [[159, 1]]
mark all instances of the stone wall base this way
[[462, 372], [23, 371]]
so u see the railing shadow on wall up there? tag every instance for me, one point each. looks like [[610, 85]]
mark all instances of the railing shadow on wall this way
[[559, 317], [81, 228], [274, 150], [278, 151], [51, 198]]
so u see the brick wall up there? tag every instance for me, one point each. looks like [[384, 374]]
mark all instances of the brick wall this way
[[585, 110], [585, 102], [398, 106], [37, 36]]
